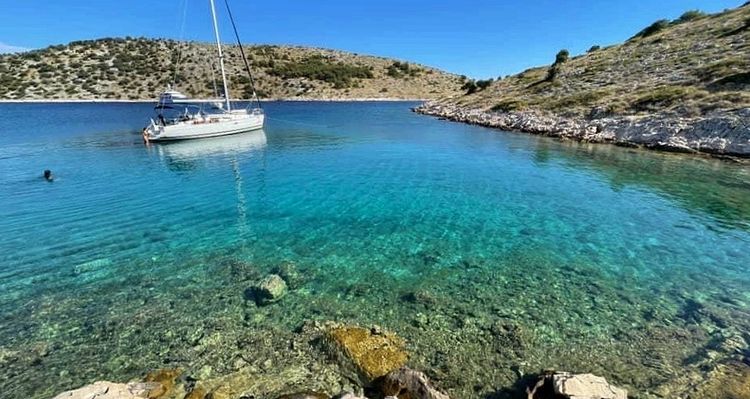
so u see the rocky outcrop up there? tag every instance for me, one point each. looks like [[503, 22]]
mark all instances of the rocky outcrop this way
[[365, 354], [406, 383], [574, 386], [586, 386], [721, 132], [111, 390]]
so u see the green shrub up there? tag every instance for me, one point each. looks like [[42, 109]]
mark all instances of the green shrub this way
[[320, 68], [470, 87], [582, 99], [689, 16], [662, 97], [561, 58], [594, 48], [723, 68], [399, 69], [483, 84], [652, 29], [742, 78]]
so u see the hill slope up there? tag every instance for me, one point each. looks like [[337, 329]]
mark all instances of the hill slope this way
[[683, 84], [141, 68]]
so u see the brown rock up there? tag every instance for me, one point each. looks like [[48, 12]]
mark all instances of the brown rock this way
[[166, 378], [365, 354], [409, 384], [728, 381], [196, 393]]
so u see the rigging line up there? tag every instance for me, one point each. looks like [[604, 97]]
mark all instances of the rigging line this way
[[242, 52], [179, 43]]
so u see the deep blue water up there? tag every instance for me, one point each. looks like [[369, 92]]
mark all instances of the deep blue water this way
[[357, 194]]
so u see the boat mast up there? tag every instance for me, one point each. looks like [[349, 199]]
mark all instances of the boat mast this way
[[221, 56]]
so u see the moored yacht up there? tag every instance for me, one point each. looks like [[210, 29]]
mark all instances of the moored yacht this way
[[180, 118]]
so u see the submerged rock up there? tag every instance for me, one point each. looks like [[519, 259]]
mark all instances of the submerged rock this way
[[108, 390], [405, 383], [730, 381], [268, 290], [91, 266], [365, 354], [289, 273]]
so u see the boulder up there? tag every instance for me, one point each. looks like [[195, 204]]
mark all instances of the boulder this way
[[405, 383], [165, 381], [305, 395], [109, 390], [349, 395], [268, 290], [289, 273], [91, 266], [585, 386], [365, 354]]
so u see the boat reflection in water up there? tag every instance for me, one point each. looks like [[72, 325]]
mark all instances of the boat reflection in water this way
[[225, 146], [189, 155]]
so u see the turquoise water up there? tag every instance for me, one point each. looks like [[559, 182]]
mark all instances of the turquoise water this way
[[494, 254]]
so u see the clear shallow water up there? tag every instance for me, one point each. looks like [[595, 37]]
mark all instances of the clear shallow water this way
[[522, 252]]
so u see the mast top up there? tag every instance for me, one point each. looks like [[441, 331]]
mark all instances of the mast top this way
[[221, 56]]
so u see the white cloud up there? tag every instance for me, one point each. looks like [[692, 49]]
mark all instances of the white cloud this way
[[7, 48]]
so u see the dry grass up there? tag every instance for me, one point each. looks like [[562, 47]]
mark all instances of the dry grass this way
[[690, 67]]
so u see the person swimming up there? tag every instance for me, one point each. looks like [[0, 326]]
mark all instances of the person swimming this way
[[48, 175]]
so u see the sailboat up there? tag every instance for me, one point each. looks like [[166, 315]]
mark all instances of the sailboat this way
[[196, 118]]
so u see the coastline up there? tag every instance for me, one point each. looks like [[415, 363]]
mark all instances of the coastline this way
[[719, 134], [151, 100]]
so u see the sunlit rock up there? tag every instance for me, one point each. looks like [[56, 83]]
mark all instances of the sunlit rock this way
[[405, 383], [365, 354], [109, 390]]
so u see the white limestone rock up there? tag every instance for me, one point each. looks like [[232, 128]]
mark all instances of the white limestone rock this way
[[585, 386]]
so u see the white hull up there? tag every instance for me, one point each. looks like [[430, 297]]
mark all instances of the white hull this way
[[209, 126], [228, 145]]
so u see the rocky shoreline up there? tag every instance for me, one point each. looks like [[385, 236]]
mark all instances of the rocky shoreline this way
[[371, 359], [271, 99], [721, 133]]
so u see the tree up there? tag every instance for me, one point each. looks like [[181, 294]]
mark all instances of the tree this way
[[690, 16], [470, 86], [562, 57], [652, 29]]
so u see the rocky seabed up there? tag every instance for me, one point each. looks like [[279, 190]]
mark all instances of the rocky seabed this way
[[719, 133]]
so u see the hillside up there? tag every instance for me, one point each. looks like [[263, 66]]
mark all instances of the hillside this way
[[666, 81], [140, 68]]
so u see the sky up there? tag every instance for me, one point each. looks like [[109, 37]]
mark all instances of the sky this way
[[477, 38]]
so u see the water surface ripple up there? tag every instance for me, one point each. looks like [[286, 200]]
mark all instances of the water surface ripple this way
[[492, 253]]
